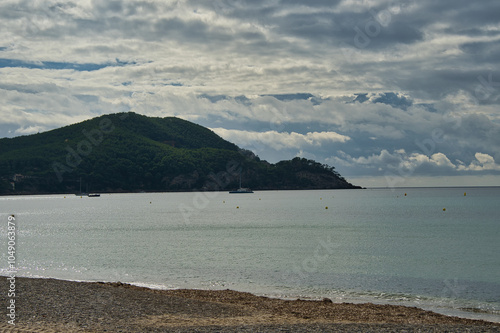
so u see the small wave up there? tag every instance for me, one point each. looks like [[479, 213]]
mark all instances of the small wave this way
[[479, 310], [154, 286]]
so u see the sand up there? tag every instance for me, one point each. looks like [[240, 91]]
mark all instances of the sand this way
[[48, 305]]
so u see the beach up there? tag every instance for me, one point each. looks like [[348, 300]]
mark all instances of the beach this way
[[50, 305]]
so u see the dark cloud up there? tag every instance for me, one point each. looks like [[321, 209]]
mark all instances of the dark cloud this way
[[113, 8], [311, 3], [360, 98], [471, 32], [458, 15], [291, 97], [389, 98], [214, 98], [482, 52]]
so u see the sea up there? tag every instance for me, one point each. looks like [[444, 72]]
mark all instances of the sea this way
[[432, 248]]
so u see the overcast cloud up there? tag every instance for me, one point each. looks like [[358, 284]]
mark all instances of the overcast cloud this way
[[391, 93]]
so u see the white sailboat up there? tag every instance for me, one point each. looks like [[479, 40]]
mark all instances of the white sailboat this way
[[82, 194], [242, 189]]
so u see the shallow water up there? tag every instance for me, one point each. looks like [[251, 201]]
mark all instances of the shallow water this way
[[374, 245]]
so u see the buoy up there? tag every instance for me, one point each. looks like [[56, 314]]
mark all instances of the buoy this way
[[224, 201], [326, 207], [444, 209], [465, 193], [405, 194], [237, 207]]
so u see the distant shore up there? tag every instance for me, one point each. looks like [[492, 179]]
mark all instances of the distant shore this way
[[176, 191], [49, 305]]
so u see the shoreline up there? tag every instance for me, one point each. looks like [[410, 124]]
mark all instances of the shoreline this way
[[178, 191], [259, 190], [50, 305], [462, 313]]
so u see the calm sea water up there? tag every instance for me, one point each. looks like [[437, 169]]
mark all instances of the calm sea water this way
[[375, 245]]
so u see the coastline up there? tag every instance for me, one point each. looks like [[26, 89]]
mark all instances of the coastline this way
[[50, 305], [355, 187], [256, 189]]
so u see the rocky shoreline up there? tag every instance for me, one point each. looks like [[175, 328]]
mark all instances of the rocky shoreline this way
[[49, 305]]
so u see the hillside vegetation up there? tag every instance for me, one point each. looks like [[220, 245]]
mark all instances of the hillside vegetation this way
[[127, 152]]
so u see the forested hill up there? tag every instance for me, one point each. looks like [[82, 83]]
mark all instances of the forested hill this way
[[127, 152]]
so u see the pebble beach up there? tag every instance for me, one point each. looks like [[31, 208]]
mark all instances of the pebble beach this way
[[49, 305]]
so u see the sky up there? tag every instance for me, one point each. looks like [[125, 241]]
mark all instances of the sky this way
[[390, 93]]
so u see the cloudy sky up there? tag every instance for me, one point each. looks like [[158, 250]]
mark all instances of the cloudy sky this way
[[391, 93]]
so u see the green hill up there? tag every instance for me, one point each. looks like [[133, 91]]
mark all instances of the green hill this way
[[127, 152]]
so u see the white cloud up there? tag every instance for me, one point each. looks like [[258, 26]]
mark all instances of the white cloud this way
[[399, 162], [441, 160], [29, 130], [483, 162], [279, 141]]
